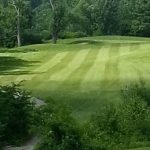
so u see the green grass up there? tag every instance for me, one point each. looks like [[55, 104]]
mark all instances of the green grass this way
[[83, 73], [145, 148]]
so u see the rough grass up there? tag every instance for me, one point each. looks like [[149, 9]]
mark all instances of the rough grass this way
[[83, 73]]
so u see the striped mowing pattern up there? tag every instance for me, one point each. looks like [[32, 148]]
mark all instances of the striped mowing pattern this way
[[43, 68], [102, 66]]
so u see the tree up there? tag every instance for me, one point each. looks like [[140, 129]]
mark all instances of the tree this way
[[41, 22], [70, 18], [58, 17], [141, 18], [35, 3], [7, 27], [125, 16], [91, 11], [19, 6], [109, 16]]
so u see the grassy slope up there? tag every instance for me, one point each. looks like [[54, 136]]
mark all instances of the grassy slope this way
[[84, 73]]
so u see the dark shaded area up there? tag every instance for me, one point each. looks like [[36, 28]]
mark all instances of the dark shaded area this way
[[15, 115], [8, 64], [19, 73], [26, 50], [86, 42]]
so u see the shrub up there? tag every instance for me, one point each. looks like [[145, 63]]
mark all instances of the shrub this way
[[78, 34], [58, 130], [45, 34], [134, 114], [103, 129], [137, 90], [15, 114], [30, 37], [125, 126], [134, 120]]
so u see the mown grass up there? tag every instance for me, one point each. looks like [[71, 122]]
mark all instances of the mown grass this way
[[83, 73]]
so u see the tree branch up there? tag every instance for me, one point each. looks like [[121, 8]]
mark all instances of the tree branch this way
[[51, 4], [74, 8], [14, 5]]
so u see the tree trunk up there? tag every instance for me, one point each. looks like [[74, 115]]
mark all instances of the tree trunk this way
[[18, 30], [54, 38]]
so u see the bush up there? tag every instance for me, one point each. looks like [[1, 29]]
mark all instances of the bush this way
[[66, 35], [45, 34], [58, 130], [134, 122], [134, 114], [137, 90], [125, 126], [30, 37], [7, 41], [103, 129], [115, 127], [15, 114]]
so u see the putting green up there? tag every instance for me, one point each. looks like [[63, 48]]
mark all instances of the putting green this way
[[84, 73]]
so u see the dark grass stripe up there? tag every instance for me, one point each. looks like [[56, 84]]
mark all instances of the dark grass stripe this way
[[111, 73]]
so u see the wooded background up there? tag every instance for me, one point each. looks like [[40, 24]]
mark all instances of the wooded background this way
[[33, 21]]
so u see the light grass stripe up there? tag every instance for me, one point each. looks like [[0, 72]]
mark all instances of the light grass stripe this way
[[43, 68], [75, 79], [1, 78], [96, 72], [73, 65], [125, 50], [10, 74], [57, 68], [127, 71], [42, 80], [5, 79], [123, 65]]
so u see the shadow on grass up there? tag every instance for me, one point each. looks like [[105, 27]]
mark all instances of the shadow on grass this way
[[86, 42], [25, 50], [100, 42], [12, 72], [9, 65]]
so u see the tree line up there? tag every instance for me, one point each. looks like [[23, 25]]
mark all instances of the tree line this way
[[33, 21]]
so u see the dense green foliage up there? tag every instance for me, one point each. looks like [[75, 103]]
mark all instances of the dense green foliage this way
[[15, 114], [122, 127], [112, 128], [83, 73], [40, 20], [58, 130]]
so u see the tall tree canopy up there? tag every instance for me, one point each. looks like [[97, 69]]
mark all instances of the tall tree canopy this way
[[28, 22], [58, 20]]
